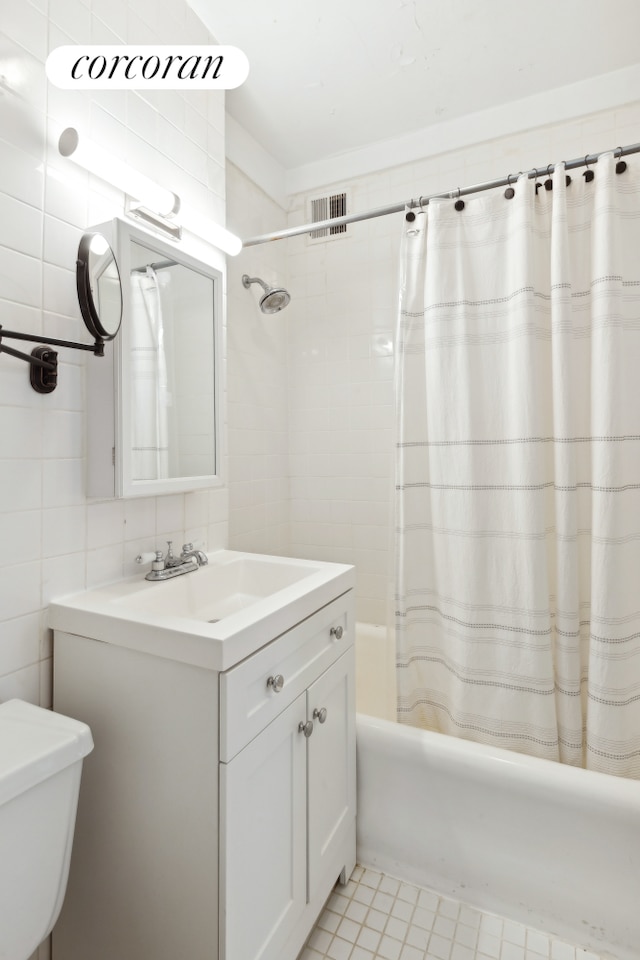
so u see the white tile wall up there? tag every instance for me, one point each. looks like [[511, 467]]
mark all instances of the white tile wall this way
[[257, 379], [53, 540]]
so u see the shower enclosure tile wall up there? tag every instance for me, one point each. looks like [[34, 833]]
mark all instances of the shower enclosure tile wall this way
[[257, 379], [53, 540]]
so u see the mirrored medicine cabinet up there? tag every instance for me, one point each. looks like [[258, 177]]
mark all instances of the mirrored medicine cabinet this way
[[153, 405]]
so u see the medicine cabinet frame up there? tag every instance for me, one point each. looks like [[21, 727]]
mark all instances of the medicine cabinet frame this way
[[109, 390]]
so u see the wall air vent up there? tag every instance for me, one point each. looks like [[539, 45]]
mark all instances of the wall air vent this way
[[326, 208]]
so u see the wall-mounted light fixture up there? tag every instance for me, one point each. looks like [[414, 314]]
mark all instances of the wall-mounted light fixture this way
[[155, 204]]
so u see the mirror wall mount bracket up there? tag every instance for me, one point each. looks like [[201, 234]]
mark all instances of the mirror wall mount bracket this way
[[42, 360]]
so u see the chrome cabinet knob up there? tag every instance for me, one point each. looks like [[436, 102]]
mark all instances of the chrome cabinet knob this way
[[306, 728], [320, 715], [336, 632], [276, 683]]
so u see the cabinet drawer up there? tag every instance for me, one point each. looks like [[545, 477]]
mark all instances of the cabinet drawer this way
[[258, 689]]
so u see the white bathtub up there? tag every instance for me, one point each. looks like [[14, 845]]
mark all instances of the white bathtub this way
[[548, 845]]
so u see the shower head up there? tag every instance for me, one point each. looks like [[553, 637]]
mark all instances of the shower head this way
[[273, 299]]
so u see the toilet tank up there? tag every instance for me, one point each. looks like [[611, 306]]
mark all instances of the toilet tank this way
[[41, 755]]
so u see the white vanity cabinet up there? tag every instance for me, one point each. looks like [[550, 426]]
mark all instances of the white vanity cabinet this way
[[287, 800], [218, 809]]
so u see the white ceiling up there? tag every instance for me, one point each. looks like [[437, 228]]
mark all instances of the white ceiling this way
[[331, 76]]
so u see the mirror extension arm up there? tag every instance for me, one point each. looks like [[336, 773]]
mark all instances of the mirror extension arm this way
[[100, 300], [44, 362]]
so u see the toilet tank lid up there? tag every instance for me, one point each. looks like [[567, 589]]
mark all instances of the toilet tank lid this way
[[35, 744]]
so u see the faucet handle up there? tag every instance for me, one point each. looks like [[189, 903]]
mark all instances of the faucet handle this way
[[147, 557], [187, 547]]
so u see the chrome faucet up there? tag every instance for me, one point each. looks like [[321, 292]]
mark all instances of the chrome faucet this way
[[198, 555], [164, 568]]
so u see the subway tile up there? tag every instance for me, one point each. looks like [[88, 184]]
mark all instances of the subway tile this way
[[27, 26], [20, 644], [22, 531], [21, 277], [59, 293], [22, 685], [72, 17], [63, 483], [63, 531], [63, 435], [20, 484], [61, 241], [20, 590], [65, 190], [21, 432], [61, 579], [139, 518], [104, 565], [22, 175], [105, 524]]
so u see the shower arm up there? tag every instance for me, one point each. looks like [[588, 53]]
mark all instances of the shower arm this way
[[247, 281]]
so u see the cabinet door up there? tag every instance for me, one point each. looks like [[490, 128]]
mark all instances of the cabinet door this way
[[331, 765], [262, 840]]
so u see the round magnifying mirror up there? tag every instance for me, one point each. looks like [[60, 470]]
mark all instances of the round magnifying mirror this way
[[99, 287]]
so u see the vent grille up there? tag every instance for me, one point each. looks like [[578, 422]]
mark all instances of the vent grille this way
[[326, 208]]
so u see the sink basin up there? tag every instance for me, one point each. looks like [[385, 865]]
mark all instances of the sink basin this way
[[214, 616], [218, 589]]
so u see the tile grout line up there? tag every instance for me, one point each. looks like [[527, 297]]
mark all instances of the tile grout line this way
[[421, 925]]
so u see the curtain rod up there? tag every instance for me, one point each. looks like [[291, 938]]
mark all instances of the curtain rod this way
[[422, 201]]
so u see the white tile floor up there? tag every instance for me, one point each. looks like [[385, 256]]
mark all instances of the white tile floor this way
[[376, 917]]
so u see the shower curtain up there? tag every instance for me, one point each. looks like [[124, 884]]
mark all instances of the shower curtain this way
[[150, 393], [518, 469]]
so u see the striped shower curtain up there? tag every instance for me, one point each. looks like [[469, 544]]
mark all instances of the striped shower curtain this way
[[518, 469]]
